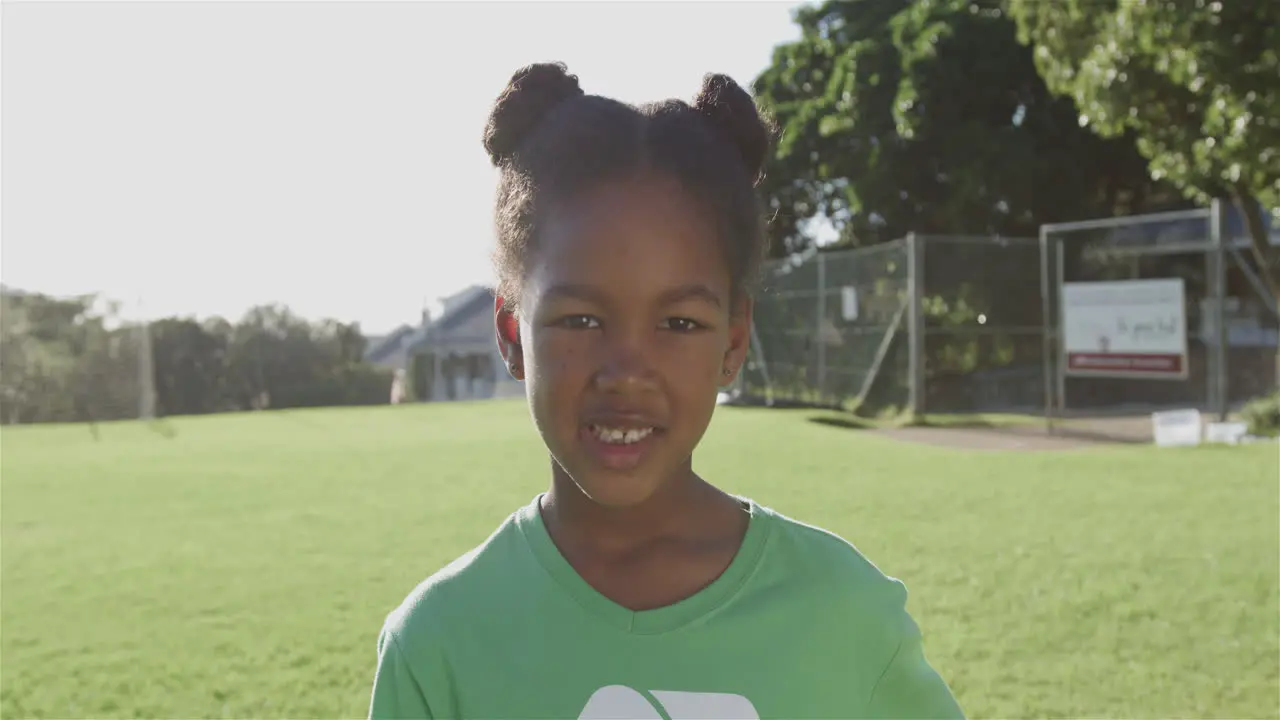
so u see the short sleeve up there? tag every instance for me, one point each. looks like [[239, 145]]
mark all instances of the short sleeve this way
[[909, 687], [396, 692]]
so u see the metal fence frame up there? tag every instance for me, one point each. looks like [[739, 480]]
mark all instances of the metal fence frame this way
[[928, 280], [793, 346], [1052, 278], [897, 337]]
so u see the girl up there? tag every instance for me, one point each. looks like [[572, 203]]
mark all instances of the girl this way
[[628, 240]]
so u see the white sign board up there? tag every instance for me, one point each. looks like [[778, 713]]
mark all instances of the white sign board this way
[[1129, 329], [1177, 428]]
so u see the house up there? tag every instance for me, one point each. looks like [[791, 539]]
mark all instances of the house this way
[[452, 357], [390, 351]]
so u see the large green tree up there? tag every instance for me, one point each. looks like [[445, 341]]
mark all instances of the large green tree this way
[[930, 116], [1197, 81], [191, 367], [64, 359]]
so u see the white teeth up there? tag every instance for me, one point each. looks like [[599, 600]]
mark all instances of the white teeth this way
[[620, 436]]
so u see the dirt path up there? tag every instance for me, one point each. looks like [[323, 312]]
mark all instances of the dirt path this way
[[1076, 434]]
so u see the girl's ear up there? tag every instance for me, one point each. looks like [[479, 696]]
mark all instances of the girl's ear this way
[[739, 340], [507, 326]]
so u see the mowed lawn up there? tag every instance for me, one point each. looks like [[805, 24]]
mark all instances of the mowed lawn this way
[[243, 566]]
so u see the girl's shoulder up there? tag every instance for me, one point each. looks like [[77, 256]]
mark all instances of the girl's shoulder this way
[[465, 586], [815, 561]]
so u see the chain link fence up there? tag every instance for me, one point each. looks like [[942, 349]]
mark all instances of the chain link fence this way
[[983, 344], [946, 324], [956, 324], [961, 324], [828, 329]]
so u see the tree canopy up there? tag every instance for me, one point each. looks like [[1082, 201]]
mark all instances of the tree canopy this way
[[1197, 82], [931, 116]]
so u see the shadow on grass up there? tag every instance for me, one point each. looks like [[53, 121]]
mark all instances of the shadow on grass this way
[[1018, 425], [844, 422], [1035, 426], [778, 404], [891, 421], [1007, 423]]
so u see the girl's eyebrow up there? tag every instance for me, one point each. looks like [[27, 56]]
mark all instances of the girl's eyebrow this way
[[573, 291], [591, 293], [695, 291]]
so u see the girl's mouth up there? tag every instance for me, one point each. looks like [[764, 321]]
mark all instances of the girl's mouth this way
[[619, 435], [619, 447]]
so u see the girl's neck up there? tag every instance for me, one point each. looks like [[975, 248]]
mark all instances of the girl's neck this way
[[680, 506]]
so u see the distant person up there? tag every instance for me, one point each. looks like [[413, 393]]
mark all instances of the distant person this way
[[628, 245], [397, 387]]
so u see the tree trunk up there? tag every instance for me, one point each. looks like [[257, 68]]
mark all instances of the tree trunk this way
[[1251, 210]]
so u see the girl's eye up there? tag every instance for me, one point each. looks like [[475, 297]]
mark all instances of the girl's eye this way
[[579, 322], [682, 325]]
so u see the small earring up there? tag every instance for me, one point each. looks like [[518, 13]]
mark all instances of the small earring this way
[[726, 372]]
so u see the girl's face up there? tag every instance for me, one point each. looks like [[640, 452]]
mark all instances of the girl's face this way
[[625, 333]]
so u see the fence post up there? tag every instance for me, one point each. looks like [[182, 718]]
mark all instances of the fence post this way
[[1218, 288], [146, 368], [817, 328], [1060, 361], [1046, 329], [915, 325]]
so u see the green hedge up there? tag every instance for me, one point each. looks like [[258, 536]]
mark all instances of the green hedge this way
[[1263, 414]]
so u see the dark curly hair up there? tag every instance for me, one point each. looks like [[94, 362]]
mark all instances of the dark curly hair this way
[[550, 140]]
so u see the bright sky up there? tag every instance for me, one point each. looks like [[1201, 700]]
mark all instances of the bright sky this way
[[209, 157]]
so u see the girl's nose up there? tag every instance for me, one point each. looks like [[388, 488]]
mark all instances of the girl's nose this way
[[624, 369]]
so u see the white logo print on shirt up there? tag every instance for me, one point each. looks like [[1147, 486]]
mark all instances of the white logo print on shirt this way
[[619, 702]]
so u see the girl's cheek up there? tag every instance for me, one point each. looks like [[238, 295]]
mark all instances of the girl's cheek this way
[[697, 351], [558, 355], [566, 363]]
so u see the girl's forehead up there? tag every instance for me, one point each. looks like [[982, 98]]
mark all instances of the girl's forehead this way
[[638, 237], [635, 219], [629, 197], [631, 209]]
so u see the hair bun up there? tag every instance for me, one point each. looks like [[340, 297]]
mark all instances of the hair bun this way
[[533, 91], [732, 111]]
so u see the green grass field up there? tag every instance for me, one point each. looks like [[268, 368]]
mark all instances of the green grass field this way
[[242, 567]]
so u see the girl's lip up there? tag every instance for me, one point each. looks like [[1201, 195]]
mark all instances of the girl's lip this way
[[623, 421], [618, 456]]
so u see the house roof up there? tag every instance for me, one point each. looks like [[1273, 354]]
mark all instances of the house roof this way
[[459, 308], [381, 347], [480, 299]]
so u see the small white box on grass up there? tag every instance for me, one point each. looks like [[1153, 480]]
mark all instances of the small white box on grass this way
[[1177, 428], [1231, 433]]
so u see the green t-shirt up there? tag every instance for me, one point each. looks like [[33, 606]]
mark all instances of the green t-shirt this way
[[800, 625]]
